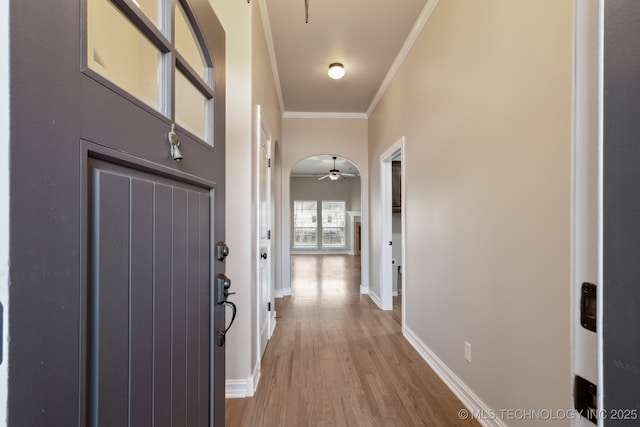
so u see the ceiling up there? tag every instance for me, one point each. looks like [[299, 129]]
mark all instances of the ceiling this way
[[317, 166], [367, 37]]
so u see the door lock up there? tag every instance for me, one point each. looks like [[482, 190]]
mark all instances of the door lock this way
[[222, 251], [222, 285]]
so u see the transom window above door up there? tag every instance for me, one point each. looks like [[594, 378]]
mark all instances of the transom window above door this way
[[152, 52]]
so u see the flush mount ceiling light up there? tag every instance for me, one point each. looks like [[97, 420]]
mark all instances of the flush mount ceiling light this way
[[336, 70]]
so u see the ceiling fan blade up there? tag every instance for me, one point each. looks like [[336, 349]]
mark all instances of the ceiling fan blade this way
[[323, 177]]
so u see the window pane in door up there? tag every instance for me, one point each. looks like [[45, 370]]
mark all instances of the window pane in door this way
[[151, 9], [188, 45], [122, 54], [191, 107]]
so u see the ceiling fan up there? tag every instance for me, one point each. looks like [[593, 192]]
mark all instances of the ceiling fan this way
[[334, 174]]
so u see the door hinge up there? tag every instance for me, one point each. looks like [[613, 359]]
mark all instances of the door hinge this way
[[268, 234], [269, 306], [269, 162]]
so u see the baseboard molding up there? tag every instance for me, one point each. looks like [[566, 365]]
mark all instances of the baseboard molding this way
[[238, 389], [375, 298], [474, 404], [278, 293], [273, 323], [364, 290], [287, 292]]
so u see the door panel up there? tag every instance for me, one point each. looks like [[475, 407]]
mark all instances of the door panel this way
[[264, 224], [126, 242], [621, 204], [100, 331]]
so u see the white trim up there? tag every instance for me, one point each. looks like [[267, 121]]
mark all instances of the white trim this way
[[238, 389], [374, 297], [469, 399], [585, 260], [327, 115], [261, 127], [386, 254], [422, 20], [364, 290], [599, 296], [281, 293], [268, 35]]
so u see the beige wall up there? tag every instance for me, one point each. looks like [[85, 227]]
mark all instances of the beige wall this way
[[249, 82], [236, 20], [304, 137], [484, 101]]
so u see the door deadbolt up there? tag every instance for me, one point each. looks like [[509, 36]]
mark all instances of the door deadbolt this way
[[222, 251]]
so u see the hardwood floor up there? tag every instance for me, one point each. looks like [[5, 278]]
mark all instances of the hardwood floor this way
[[335, 359]]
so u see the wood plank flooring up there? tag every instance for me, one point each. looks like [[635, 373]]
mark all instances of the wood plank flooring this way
[[335, 359]]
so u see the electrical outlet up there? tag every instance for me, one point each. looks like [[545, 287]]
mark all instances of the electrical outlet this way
[[467, 351]]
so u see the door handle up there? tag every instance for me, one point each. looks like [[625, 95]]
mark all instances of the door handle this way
[[222, 285], [222, 334], [263, 255]]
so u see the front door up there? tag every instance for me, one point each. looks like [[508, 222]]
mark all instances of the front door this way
[[621, 220], [117, 159]]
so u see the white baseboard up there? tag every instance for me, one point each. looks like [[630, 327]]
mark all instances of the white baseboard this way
[[281, 293], [238, 389], [273, 323], [364, 290], [473, 403], [375, 298]]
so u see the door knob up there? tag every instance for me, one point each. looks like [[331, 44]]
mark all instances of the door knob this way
[[263, 255]]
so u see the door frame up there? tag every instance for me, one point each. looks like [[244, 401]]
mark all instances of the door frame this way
[[261, 126], [586, 258], [386, 251]]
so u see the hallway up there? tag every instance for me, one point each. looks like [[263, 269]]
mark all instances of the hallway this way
[[335, 359]]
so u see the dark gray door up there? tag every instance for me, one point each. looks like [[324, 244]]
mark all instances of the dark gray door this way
[[621, 216], [111, 314]]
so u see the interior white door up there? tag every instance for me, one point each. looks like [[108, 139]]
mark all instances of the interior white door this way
[[264, 225]]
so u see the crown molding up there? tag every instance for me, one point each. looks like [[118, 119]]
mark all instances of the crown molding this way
[[313, 115], [266, 24], [422, 20]]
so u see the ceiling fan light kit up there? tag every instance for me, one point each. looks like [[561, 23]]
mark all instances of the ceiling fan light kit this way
[[334, 174]]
